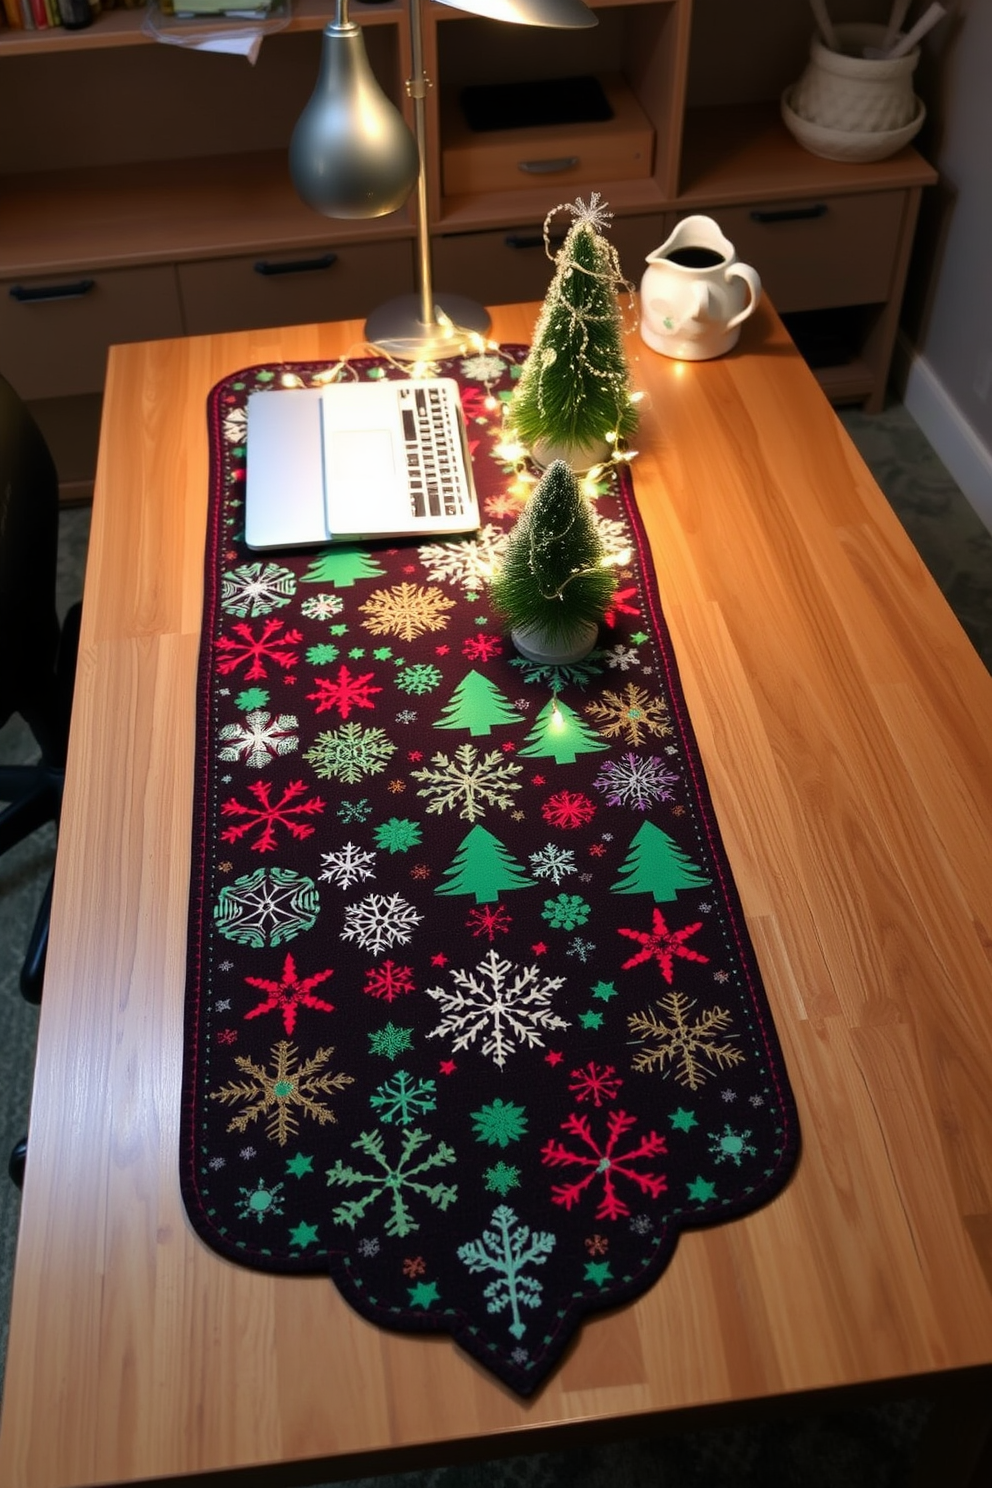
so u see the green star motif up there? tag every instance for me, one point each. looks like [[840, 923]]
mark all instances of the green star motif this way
[[340, 629], [604, 991], [599, 1272], [638, 637], [382, 653], [701, 1190], [303, 1234], [299, 1165], [423, 1294], [502, 1177], [683, 1120], [471, 595], [591, 1019], [356, 653]]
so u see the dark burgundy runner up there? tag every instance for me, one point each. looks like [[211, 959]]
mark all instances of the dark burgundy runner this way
[[473, 1019]]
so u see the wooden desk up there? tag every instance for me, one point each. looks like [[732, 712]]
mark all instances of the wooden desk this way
[[846, 727]]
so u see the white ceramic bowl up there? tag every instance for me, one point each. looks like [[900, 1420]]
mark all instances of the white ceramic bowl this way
[[847, 144]]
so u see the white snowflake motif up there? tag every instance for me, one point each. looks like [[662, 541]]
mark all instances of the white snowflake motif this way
[[256, 589], [635, 782], [322, 606], [236, 426], [728, 1096], [466, 561], [368, 1248], [520, 1356], [260, 739], [350, 864], [223, 1005], [379, 921], [406, 715], [216, 1163], [581, 948], [641, 1224], [468, 781], [756, 1101], [613, 535], [504, 1005], [553, 862], [247, 1153], [621, 658], [482, 368]]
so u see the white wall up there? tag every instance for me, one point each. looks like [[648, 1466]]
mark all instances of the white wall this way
[[947, 320]]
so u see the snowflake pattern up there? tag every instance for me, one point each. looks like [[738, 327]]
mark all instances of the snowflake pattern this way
[[499, 1007], [491, 965]]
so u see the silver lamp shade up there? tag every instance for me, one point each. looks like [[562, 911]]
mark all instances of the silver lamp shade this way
[[351, 154]]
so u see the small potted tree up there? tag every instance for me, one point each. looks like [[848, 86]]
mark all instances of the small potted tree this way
[[573, 399], [552, 587]]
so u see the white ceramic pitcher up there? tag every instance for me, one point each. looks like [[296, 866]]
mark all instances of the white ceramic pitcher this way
[[694, 294]]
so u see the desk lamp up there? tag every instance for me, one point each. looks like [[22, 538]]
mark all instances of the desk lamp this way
[[352, 155]]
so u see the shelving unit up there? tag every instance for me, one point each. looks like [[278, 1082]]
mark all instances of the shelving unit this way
[[141, 199]]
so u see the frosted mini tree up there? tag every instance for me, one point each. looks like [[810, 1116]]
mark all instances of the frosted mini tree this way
[[551, 582], [574, 389]]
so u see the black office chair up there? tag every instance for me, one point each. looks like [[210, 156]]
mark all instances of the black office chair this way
[[37, 655]]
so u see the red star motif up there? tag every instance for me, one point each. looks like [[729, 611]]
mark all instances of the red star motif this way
[[439, 960], [442, 650], [539, 949], [553, 1057], [663, 944], [447, 1066], [538, 780], [415, 754], [509, 747]]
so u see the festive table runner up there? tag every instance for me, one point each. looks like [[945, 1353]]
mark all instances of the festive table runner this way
[[473, 1020]]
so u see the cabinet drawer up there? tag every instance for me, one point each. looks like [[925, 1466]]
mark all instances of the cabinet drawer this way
[[811, 255], [55, 330], [502, 267], [294, 288]]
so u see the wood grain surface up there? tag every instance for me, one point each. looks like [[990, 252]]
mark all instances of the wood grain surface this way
[[846, 728]]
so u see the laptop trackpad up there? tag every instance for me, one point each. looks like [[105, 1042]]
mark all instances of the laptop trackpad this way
[[361, 477]]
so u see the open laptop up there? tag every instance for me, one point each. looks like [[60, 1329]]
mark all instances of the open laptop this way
[[357, 460]]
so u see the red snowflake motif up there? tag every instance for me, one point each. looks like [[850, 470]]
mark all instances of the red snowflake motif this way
[[597, 1244], [568, 809], [269, 814], [508, 747], [388, 981], [289, 994], [619, 605], [473, 402], [487, 920], [415, 755], [596, 1083], [344, 694], [597, 850], [483, 647], [244, 648], [414, 1266], [604, 1161], [663, 944], [227, 1036]]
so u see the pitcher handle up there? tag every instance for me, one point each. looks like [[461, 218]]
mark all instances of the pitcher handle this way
[[750, 277]]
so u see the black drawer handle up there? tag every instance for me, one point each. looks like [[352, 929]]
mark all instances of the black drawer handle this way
[[548, 167], [296, 265], [790, 214], [24, 295], [532, 240]]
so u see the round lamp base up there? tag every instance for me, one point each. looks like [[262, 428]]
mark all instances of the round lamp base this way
[[397, 329]]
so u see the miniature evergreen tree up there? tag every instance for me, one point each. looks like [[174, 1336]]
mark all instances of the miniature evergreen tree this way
[[656, 865], [552, 576], [574, 386]]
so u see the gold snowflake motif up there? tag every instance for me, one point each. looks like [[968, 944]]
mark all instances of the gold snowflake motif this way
[[687, 1047], [406, 611], [284, 1092], [632, 713]]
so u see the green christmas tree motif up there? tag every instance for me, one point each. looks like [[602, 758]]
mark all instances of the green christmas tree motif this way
[[508, 1249], [484, 867], [341, 565], [397, 1180], [476, 705], [562, 734], [656, 865], [574, 387]]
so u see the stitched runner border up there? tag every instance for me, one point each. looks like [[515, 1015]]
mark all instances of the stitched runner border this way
[[473, 1020]]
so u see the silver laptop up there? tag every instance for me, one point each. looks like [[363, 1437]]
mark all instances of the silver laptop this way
[[357, 460]]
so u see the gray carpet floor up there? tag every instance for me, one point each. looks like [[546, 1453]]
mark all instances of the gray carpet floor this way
[[871, 1448]]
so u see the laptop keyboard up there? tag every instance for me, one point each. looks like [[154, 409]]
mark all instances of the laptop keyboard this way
[[434, 456]]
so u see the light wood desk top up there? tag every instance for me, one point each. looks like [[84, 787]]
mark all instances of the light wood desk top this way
[[846, 728]]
